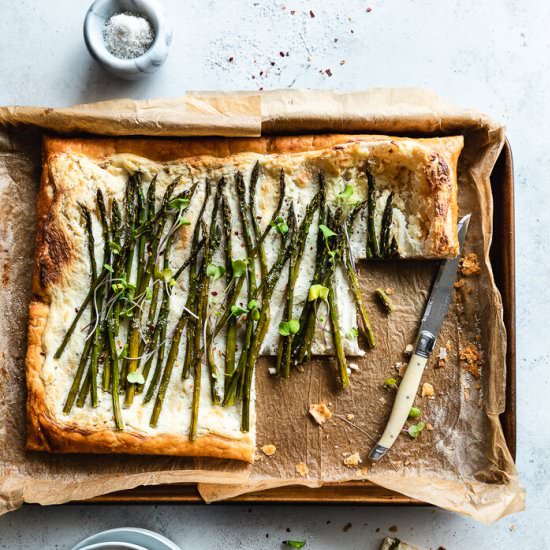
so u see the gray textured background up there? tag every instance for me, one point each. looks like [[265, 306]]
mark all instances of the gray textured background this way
[[492, 55]]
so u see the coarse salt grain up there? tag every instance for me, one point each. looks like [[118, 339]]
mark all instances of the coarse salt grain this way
[[127, 35]]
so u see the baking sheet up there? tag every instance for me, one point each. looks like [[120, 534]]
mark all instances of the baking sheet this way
[[462, 464]]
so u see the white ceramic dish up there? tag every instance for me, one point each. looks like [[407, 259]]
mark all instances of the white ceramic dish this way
[[141, 538], [112, 546], [131, 69]]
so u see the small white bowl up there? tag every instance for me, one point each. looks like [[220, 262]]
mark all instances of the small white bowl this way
[[134, 536], [131, 69]]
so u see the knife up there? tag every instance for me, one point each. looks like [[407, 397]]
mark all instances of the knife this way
[[434, 315]]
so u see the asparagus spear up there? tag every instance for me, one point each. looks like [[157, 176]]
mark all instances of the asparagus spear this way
[[385, 227], [231, 332], [372, 242], [352, 277], [193, 281], [78, 377], [294, 270], [301, 349], [385, 300]]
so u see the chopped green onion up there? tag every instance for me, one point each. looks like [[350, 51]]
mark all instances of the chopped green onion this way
[[215, 271], [415, 429], [317, 291]]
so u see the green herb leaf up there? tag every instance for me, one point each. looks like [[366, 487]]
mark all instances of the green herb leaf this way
[[390, 383], [239, 267], [215, 271], [115, 247], [294, 326], [280, 225], [317, 291], [327, 232], [166, 274], [179, 203], [415, 412], [347, 193], [135, 378], [415, 429], [238, 310], [352, 334], [108, 268], [183, 221], [295, 543], [286, 328]]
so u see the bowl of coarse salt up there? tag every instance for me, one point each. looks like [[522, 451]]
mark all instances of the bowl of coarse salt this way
[[129, 38]]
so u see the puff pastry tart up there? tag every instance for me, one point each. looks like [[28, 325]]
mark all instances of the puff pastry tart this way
[[166, 268]]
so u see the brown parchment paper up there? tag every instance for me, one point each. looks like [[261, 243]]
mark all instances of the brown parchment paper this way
[[462, 464]]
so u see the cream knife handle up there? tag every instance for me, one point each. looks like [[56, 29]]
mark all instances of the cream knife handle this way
[[403, 400]]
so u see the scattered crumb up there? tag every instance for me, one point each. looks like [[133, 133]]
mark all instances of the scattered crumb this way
[[231, 59], [364, 471], [320, 412], [269, 450], [347, 527], [350, 416], [389, 291], [469, 265], [429, 427], [471, 356], [353, 460], [272, 371], [382, 400], [258, 457], [369, 10], [467, 393], [302, 469], [427, 390], [442, 359], [311, 14], [392, 529], [402, 369], [409, 349], [459, 283], [342, 61], [353, 366]]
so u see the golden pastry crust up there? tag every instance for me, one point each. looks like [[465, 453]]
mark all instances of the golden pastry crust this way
[[54, 252]]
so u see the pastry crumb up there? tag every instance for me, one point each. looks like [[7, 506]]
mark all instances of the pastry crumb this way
[[390, 291], [459, 283], [409, 349], [442, 359], [272, 371], [427, 390], [469, 265], [467, 393], [402, 369], [471, 356], [302, 469], [269, 450], [353, 460], [429, 427], [350, 416], [353, 366], [320, 412]]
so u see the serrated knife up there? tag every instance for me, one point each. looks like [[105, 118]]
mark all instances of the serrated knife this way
[[432, 320]]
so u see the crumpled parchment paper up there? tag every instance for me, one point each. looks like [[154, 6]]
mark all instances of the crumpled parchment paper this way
[[462, 464]]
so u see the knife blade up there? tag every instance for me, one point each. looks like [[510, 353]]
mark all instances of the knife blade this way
[[430, 326]]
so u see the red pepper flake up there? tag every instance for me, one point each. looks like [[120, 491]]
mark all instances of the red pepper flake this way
[[231, 59], [236, 233], [261, 73], [214, 293], [311, 14], [261, 88], [352, 31], [328, 72], [342, 61], [272, 63], [282, 54], [369, 10], [292, 12]]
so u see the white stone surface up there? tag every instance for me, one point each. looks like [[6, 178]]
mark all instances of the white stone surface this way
[[492, 55]]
